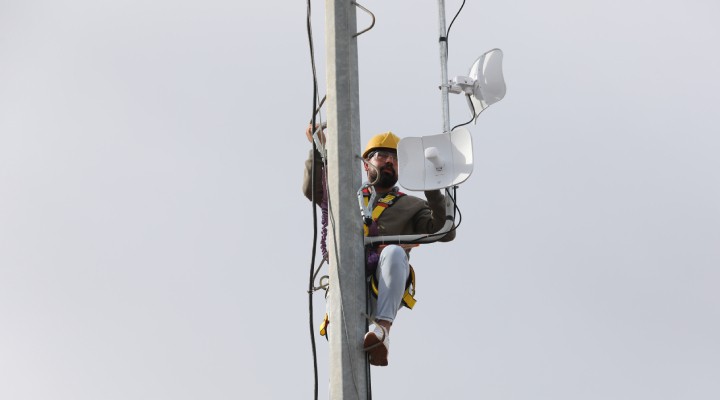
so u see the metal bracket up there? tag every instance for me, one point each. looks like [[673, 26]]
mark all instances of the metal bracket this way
[[371, 15]]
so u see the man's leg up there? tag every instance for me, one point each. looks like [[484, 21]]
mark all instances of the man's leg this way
[[392, 272], [391, 275]]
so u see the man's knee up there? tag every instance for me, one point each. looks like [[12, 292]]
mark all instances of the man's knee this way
[[394, 252]]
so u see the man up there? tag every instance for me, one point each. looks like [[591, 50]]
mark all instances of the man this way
[[400, 214]]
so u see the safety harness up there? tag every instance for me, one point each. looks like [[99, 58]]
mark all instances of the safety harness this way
[[408, 299], [382, 205], [370, 229]]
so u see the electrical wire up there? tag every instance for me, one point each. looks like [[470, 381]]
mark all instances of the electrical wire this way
[[312, 202], [447, 33], [472, 107], [456, 211], [457, 215], [447, 53]]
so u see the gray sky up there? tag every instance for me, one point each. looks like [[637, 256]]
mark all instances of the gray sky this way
[[154, 243]]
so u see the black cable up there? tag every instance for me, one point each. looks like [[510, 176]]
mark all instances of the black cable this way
[[312, 202], [456, 213], [447, 54], [472, 107], [457, 209], [447, 33]]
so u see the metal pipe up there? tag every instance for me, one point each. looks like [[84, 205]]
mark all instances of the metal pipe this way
[[443, 67], [449, 200]]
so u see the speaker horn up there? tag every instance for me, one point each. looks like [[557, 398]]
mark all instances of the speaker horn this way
[[435, 162], [489, 83]]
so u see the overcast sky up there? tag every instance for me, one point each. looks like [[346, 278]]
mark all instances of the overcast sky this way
[[155, 244]]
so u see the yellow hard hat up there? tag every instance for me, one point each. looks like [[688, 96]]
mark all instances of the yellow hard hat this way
[[387, 140]]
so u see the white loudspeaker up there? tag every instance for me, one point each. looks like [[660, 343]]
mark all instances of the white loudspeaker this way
[[435, 162], [489, 83]]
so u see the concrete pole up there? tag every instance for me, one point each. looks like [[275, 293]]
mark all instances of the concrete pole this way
[[347, 293]]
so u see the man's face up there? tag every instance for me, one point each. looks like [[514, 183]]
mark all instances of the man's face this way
[[386, 163]]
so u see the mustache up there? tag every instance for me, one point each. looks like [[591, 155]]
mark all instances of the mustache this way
[[387, 168]]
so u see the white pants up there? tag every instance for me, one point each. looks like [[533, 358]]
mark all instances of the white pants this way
[[391, 275]]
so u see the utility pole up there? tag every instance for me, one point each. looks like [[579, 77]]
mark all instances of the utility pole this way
[[347, 294]]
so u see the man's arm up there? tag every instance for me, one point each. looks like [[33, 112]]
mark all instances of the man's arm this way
[[432, 218], [307, 181], [319, 170]]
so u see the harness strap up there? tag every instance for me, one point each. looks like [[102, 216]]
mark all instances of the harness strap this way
[[382, 205], [408, 299], [324, 324]]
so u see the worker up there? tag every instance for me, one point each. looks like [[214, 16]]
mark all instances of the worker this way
[[401, 215]]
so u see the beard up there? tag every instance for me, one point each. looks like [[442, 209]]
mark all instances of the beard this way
[[388, 177]]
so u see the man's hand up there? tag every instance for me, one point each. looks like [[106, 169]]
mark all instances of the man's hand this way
[[309, 134]]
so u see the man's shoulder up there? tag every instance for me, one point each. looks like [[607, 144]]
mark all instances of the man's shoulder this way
[[410, 201]]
